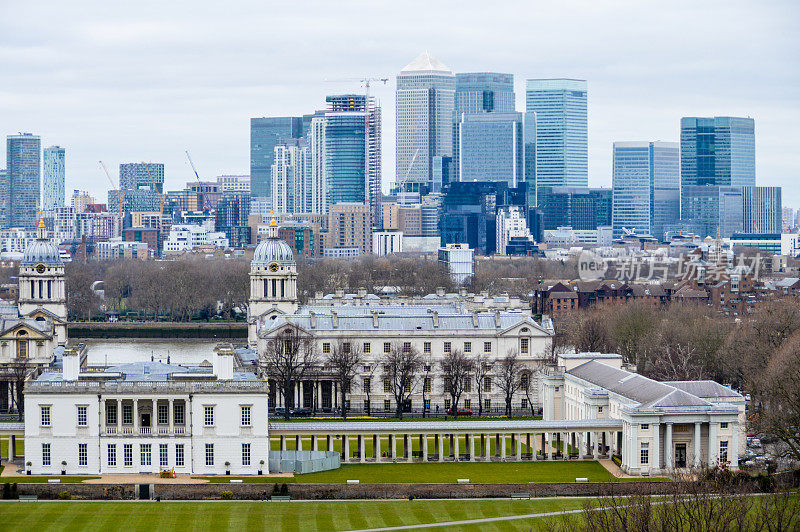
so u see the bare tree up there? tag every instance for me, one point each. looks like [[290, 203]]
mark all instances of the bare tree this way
[[19, 369], [508, 376], [456, 372], [401, 367], [286, 359], [345, 358], [481, 368], [366, 385], [427, 382], [527, 378]]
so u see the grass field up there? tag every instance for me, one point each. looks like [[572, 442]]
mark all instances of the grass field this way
[[4, 447], [328, 516], [447, 473]]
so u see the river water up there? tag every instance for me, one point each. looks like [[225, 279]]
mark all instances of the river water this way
[[114, 352]]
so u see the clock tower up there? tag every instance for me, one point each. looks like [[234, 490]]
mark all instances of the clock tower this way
[[273, 282], [42, 291]]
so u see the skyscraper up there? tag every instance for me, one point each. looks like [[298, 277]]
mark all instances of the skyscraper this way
[[581, 208], [646, 187], [425, 103], [53, 177], [491, 147], [265, 133], [142, 175], [288, 174], [762, 210], [5, 198], [715, 152], [315, 189], [23, 175], [561, 131]]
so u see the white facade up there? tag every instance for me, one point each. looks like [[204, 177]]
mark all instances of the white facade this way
[[16, 240], [188, 237], [567, 237], [234, 183], [315, 193], [387, 242], [288, 175], [511, 222], [460, 261], [145, 418]]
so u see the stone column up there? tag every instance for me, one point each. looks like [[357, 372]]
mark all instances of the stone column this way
[[713, 444], [503, 448], [655, 461], [314, 443], [12, 447], [668, 448], [423, 445], [519, 447], [455, 442], [392, 447], [528, 444], [483, 446], [328, 443], [471, 447], [283, 443], [119, 416], [362, 452], [733, 446], [346, 447], [171, 416], [408, 444], [697, 459], [595, 449], [546, 445], [440, 439], [136, 416], [298, 442]]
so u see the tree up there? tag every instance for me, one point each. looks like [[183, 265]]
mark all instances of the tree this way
[[508, 376], [527, 378], [400, 367], [427, 368], [286, 359], [481, 368], [19, 369], [345, 358], [456, 372], [366, 385]]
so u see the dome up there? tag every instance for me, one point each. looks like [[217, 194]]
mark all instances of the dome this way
[[273, 250], [42, 251]]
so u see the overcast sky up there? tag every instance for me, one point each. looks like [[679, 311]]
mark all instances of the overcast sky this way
[[144, 80]]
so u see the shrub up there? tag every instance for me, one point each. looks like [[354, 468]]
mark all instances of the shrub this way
[[64, 496], [6, 490], [284, 489], [226, 495], [275, 489]]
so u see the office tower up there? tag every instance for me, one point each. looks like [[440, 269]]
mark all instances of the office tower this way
[[581, 208], [425, 103], [561, 131], [315, 190], [787, 219], [762, 210], [712, 210], [353, 160], [5, 198], [349, 230], [23, 167], [142, 175], [491, 148], [265, 133], [232, 211], [479, 93], [288, 173], [646, 187], [715, 152], [53, 177]]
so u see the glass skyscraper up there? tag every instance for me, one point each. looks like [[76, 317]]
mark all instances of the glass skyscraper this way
[[344, 158], [53, 177], [646, 187], [581, 208], [491, 148], [23, 176], [265, 133], [561, 131], [762, 210], [425, 100]]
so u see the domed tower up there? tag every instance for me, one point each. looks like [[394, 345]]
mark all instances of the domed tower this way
[[42, 294], [273, 281]]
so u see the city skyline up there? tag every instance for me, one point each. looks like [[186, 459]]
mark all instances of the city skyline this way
[[104, 112]]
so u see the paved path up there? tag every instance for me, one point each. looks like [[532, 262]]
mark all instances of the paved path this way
[[473, 521], [614, 469]]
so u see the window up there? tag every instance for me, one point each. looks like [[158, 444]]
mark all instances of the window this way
[[427, 404], [387, 405], [208, 416], [83, 454], [644, 426], [366, 385], [487, 404], [127, 414], [523, 382], [245, 454], [426, 348], [644, 454], [487, 347], [723, 451], [557, 388], [111, 414], [367, 368], [524, 404], [448, 384], [468, 347], [427, 368], [407, 387], [387, 386], [599, 408], [346, 347], [178, 413], [406, 347], [447, 404], [367, 348], [487, 384], [45, 415], [245, 415], [163, 457], [45, 454], [426, 385], [326, 348], [163, 414], [448, 347], [112, 454], [145, 454], [209, 454], [347, 405], [387, 347], [467, 403], [127, 454], [366, 405], [723, 425], [467, 386], [82, 416], [524, 345], [179, 455]]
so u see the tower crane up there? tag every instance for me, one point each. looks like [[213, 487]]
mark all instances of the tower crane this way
[[206, 202], [120, 193]]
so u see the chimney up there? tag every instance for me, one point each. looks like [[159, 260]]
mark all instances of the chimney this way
[[497, 318], [375, 323], [440, 291], [475, 320], [71, 365], [335, 319], [362, 292], [462, 292], [223, 362], [318, 294], [435, 319], [313, 318], [339, 293]]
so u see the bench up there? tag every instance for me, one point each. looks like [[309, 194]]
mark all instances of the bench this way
[[520, 495], [581, 479], [280, 498], [462, 480], [353, 481], [54, 481], [235, 481], [29, 498]]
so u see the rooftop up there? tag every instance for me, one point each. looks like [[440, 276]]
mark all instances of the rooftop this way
[[426, 62]]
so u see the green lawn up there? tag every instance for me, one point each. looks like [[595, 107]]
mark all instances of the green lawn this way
[[4, 447], [67, 479], [447, 473], [327, 516]]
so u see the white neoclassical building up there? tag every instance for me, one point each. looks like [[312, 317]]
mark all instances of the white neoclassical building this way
[[146, 417], [666, 426]]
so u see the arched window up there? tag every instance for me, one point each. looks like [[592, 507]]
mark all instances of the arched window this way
[[22, 344]]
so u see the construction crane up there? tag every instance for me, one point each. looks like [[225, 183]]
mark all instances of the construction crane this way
[[120, 193], [402, 185], [160, 193], [206, 202]]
